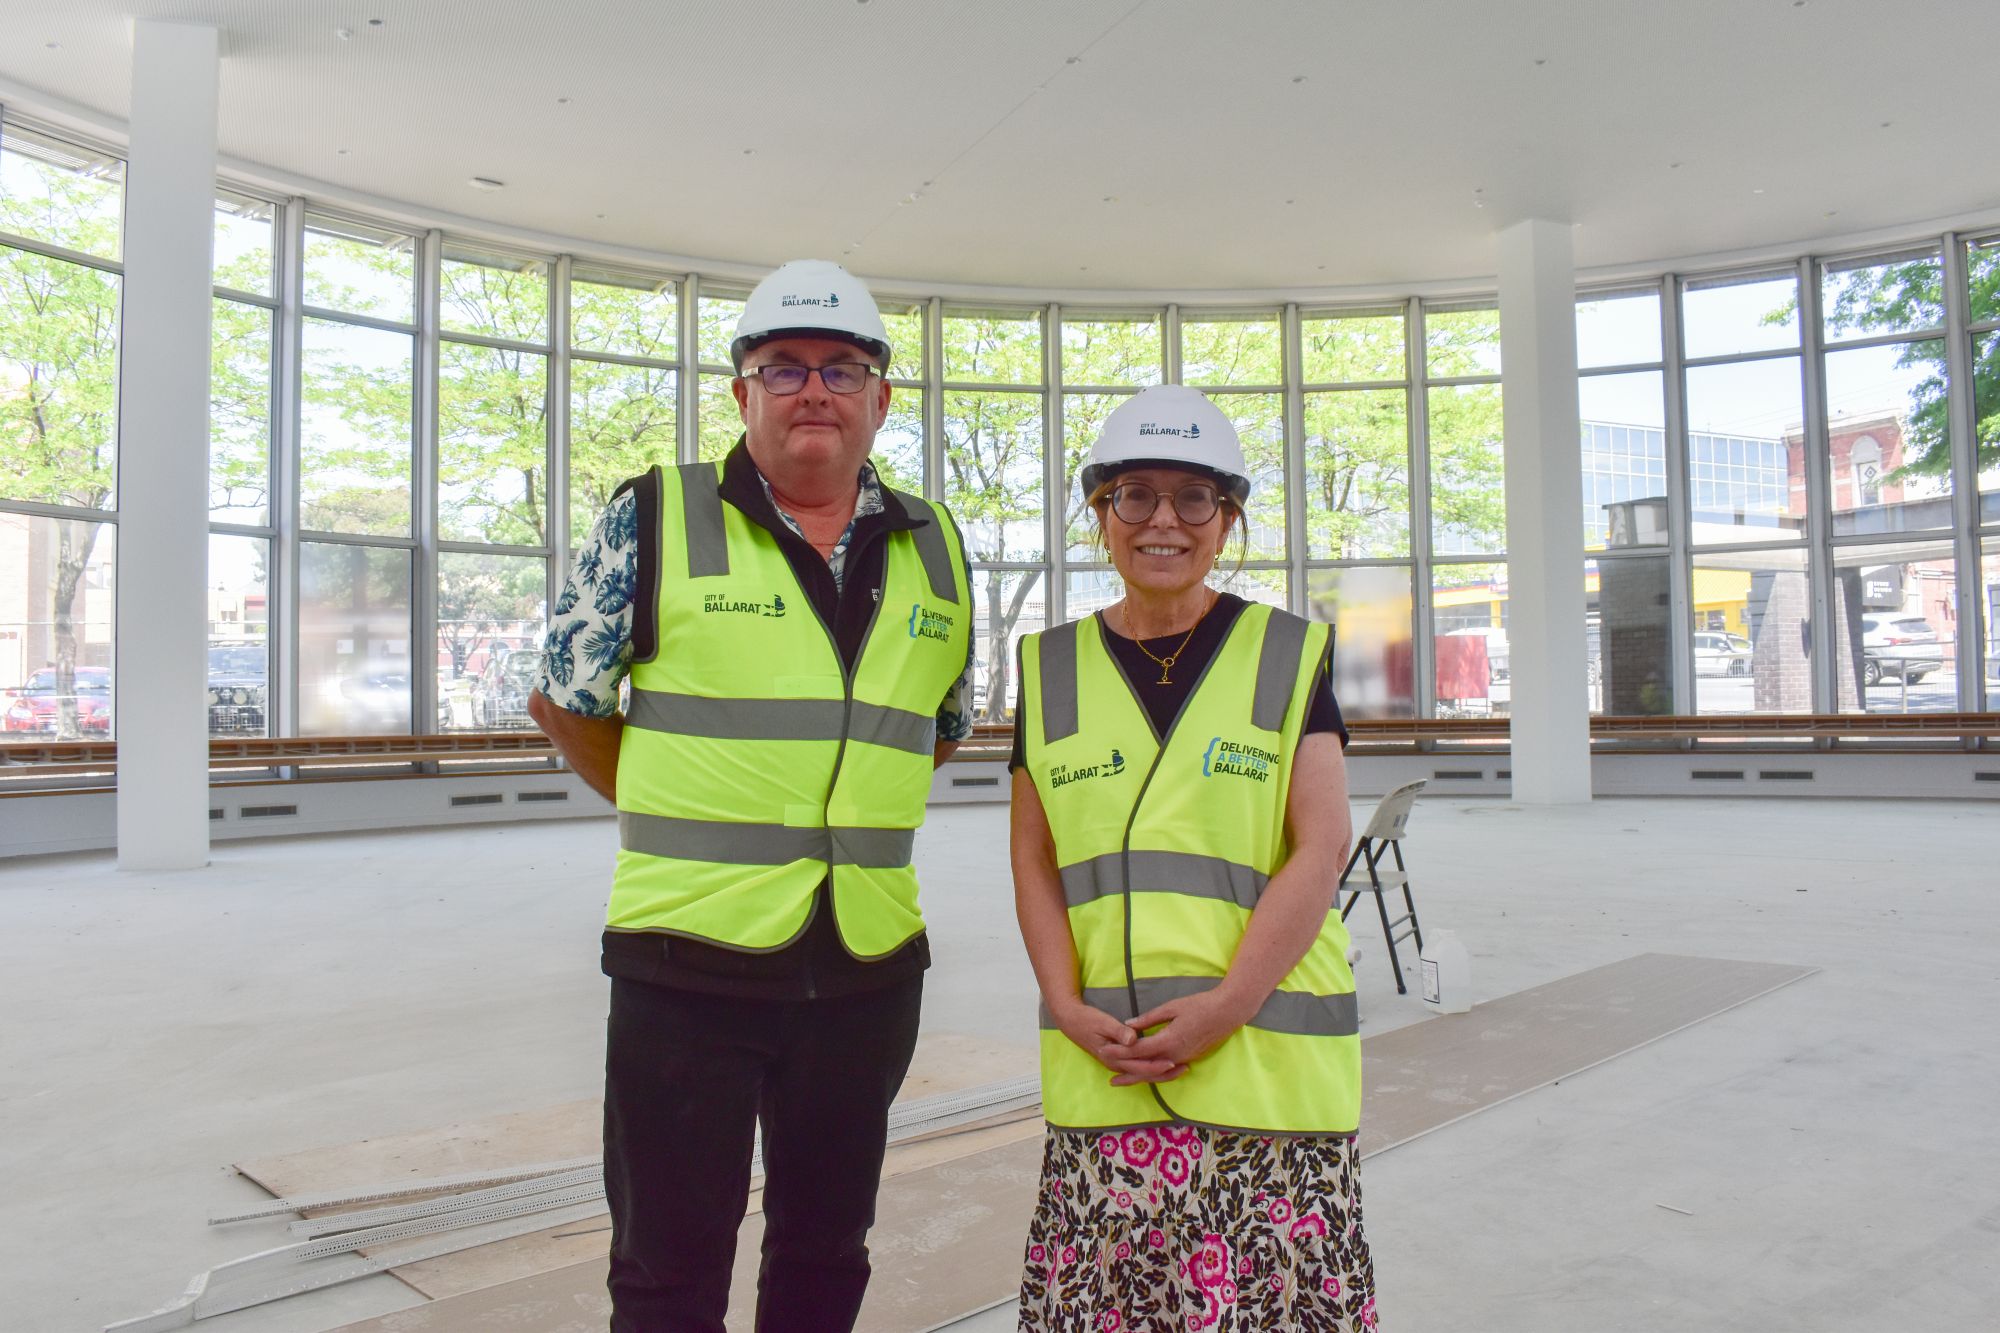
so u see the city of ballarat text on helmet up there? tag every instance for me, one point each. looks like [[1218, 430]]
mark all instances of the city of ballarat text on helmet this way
[[1234, 759], [831, 301], [1191, 431]]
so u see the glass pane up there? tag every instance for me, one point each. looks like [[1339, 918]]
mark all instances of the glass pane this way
[[354, 436], [360, 269], [1628, 636], [1371, 609], [1752, 632], [1357, 459], [1624, 436], [1890, 452], [720, 420], [1260, 424], [354, 640], [898, 454], [1724, 315], [1989, 619], [1462, 342], [1901, 295], [1746, 460], [1083, 421], [1233, 350], [1468, 470], [1986, 423], [1895, 615], [1269, 586], [1112, 349], [239, 636], [717, 315], [493, 295], [60, 193], [993, 346], [243, 243], [1009, 603], [489, 631], [1982, 272], [621, 422], [1088, 591], [1619, 330], [58, 381], [626, 315], [993, 472], [905, 326], [239, 415], [57, 598], [1346, 349], [493, 447], [1469, 640]]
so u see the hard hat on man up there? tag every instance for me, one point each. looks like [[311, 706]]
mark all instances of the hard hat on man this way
[[811, 298]]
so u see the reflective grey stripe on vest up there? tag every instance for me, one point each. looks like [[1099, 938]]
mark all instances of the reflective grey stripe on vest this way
[[1162, 872], [931, 546], [763, 844], [701, 517], [1059, 687], [780, 720], [1291, 1012], [1277, 669]]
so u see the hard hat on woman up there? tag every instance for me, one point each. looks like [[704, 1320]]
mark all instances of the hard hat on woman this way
[[1173, 426]]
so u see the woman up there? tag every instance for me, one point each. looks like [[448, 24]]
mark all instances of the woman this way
[[1180, 819]]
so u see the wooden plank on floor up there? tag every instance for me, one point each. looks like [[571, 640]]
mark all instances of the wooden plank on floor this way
[[948, 1239]]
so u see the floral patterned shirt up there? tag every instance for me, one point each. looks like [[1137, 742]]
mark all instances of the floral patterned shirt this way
[[588, 649]]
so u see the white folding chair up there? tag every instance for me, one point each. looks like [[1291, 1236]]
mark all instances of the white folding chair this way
[[1384, 837]]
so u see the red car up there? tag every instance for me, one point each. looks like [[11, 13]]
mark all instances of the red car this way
[[35, 705]]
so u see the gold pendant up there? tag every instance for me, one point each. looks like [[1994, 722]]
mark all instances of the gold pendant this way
[[1165, 667]]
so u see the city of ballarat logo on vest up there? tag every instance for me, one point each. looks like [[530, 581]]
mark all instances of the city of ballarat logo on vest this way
[[721, 603], [1225, 758], [928, 624], [1064, 774]]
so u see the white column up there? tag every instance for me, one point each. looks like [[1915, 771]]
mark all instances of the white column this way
[[1545, 599], [162, 609]]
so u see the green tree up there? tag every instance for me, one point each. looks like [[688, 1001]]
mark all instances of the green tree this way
[[1889, 298], [58, 382]]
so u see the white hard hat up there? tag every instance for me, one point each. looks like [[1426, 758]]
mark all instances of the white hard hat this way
[[811, 298], [1169, 426]]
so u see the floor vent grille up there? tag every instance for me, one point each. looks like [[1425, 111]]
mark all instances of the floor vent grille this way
[[1717, 775], [541, 796], [1458, 775], [483, 798], [215, 812], [266, 811], [1784, 775], [975, 782]]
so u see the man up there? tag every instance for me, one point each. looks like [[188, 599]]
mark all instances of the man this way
[[789, 626]]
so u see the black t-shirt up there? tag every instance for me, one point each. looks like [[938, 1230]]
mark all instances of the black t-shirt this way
[[1163, 702]]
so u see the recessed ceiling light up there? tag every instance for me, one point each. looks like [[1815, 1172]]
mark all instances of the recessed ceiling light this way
[[1541, 60], [1887, 123], [749, 152], [1110, 198], [377, 23], [340, 152], [1298, 78], [600, 217], [486, 183], [1758, 190], [1073, 60], [1673, 166], [1291, 201], [562, 101]]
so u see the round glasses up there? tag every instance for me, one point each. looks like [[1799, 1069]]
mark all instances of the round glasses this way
[[782, 381], [1135, 501]]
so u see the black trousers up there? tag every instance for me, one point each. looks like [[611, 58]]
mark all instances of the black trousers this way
[[687, 1078]]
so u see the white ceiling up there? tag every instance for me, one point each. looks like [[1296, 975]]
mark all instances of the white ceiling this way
[[1097, 144]]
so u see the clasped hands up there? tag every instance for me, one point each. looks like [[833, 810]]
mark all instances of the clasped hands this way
[[1188, 1028]]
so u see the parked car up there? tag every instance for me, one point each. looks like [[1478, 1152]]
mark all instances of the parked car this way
[[237, 677], [1719, 654], [1898, 646], [34, 705]]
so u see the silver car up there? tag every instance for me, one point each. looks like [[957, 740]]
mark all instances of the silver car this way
[[1898, 646]]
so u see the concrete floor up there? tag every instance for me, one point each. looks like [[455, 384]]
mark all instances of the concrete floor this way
[[1827, 1156]]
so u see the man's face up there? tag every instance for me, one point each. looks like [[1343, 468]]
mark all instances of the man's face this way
[[815, 428]]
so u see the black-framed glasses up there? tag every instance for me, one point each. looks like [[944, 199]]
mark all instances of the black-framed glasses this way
[[1195, 502], [784, 380]]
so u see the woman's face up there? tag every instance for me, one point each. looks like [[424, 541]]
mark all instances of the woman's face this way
[[1163, 553]]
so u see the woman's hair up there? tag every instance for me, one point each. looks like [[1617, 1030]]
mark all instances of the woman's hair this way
[[1235, 520]]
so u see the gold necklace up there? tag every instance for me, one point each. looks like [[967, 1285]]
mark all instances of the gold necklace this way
[[1167, 662]]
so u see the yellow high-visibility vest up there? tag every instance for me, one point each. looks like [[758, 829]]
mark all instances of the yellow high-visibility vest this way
[[752, 763], [1164, 845]]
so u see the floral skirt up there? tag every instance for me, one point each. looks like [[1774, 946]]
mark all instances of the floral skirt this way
[[1176, 1228]]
